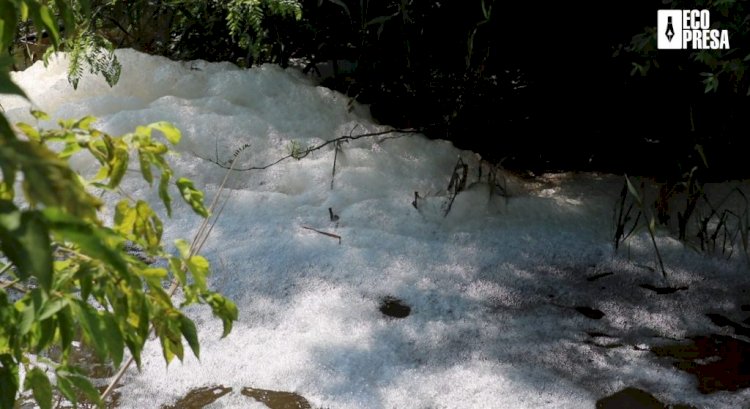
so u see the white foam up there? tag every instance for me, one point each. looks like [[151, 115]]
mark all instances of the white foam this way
[[491, 285]]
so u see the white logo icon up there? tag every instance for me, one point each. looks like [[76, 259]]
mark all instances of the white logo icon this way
[[688, 30]]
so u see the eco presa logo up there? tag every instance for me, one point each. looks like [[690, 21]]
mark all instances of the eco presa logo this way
[[689, 30]]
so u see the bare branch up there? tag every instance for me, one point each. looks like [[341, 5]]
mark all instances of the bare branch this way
[[304, 153]]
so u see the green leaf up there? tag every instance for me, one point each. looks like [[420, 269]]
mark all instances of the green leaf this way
[[148, 226], [37, 381], [45, 334], [170, 132], [67, 328], [176, 266], [66, 387], [82, 384], [93, 326], [96, 242], [118, 166], [9, 381], [43, 19], [67, 14], [6, 132], [140, 322], [85, 123], [40, 115], [52, 307], [47, 179], [167, 348], [113, 339], [223, 308], [192, 196], [69, 150], [8, 19], [125, 217], [7, 86], [29, 131], [159, 273], [145, 164], [27, 319], [199, 267], [183, 247], [191, 334], [164, 191], [24, 239]]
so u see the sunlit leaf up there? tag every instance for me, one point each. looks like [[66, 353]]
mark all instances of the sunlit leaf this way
[[192, 196], [119, 166], [85, 122], [175, 265], [39, 115], [29, 131], [125, 217], [170, 131], [154, 273], [183, 247]]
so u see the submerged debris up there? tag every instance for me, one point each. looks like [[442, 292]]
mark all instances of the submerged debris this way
[[598, 276], [592, 313], [634, 398], [276, 399], [663, 290], [200, 397], [393, 307], [721, 363]]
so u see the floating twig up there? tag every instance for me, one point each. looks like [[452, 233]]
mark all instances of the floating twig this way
[[335, 236]]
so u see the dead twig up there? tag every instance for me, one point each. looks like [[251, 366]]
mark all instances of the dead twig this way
[[307, 151], [335, 236], [456, 184]]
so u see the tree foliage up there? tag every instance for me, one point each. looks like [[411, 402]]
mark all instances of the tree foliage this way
[[69, 275]]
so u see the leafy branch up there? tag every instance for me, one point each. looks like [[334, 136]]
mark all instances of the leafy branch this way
[[79, 277]]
